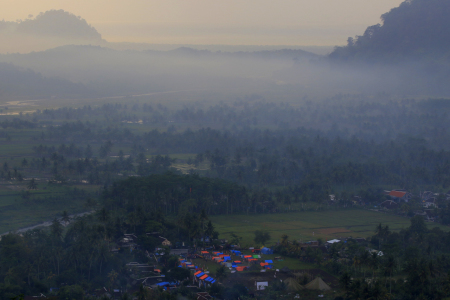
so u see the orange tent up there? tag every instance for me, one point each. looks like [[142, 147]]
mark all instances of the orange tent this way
[[196, 273], [263, 264], [205, 252], [204, 277], [240, 268], [238, 262], [157, 270]]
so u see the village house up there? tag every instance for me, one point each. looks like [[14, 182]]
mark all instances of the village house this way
[[163, 240], [400, 195], [389, 204]]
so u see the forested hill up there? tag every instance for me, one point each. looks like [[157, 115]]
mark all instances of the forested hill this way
[[53, 23], [417, 29], [19, 83]]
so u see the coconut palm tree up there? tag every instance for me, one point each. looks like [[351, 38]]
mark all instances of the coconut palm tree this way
[[389, 268], [345, 281], [374, 262], [296, 248], [284, 240]]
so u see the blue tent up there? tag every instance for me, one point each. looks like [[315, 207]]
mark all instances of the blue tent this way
[[269, 261], [163, 283], [200, 274], [266, 251]]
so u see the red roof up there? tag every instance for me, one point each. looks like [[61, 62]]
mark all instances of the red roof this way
[[397, 194]]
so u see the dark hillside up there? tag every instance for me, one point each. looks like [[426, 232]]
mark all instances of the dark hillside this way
[[417, 29], [19, 83]]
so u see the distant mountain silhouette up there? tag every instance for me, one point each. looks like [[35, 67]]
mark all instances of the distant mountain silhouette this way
[[417, 29], [20, 83], [47, 30], [54, 23], [286, 54]]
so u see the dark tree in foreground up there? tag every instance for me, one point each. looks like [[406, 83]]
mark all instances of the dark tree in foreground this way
[[261, 237]]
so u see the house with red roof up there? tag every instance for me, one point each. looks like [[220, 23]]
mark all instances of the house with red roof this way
[[400, 195]]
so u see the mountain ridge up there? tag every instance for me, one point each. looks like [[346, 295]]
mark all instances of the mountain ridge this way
[[415, 30]]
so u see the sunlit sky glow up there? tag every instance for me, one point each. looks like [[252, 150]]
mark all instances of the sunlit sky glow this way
[[232, 22]]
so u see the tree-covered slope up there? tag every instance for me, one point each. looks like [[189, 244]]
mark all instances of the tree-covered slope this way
[[417, 29]]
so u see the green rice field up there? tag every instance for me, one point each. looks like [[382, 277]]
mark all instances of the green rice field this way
[[305, 226]]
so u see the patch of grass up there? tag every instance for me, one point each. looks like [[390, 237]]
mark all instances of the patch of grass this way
[[307, 226]]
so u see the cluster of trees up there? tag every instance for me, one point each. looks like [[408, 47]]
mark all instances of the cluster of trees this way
[[174, 194], [373, 146], [412, 264], [76, 254]]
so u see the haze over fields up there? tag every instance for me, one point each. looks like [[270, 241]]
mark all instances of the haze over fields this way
[[95, 67], [315, 129]]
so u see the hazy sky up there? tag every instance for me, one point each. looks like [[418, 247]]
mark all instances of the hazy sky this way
[[234, 22]]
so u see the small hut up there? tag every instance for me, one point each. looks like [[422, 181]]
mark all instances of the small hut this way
[[292, 285], [318, 284]]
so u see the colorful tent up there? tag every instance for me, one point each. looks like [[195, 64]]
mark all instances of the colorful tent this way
[[266, 251], [210, 280], [200, 274], [204, 277]]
